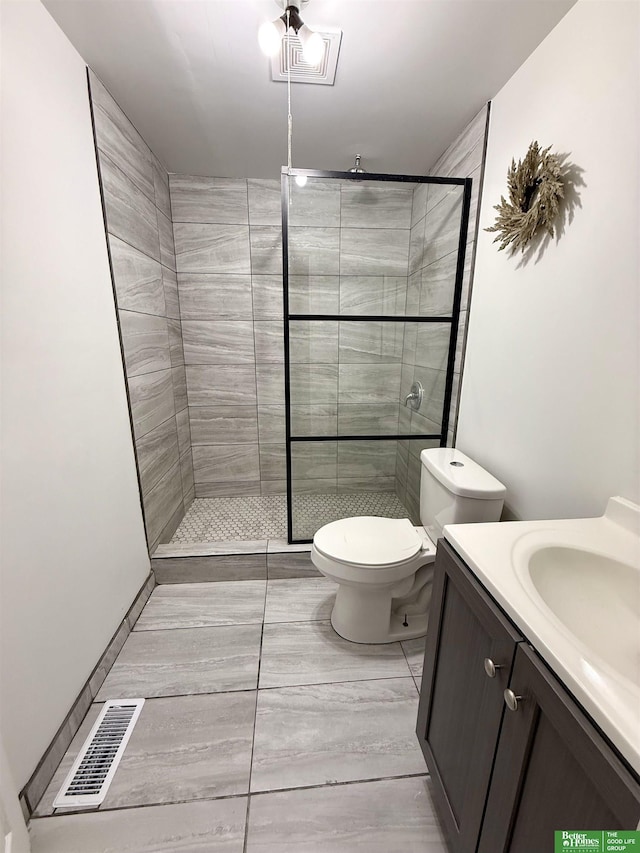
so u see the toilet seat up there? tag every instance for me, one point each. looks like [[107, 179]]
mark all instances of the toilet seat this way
[[369, 541]]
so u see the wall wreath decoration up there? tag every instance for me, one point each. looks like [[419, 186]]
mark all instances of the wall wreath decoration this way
[[535, 189]]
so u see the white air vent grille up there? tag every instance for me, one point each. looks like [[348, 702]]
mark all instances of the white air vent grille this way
[[88, 780], [324, 73]]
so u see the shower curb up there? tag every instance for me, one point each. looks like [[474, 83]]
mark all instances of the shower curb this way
[[294, 562]]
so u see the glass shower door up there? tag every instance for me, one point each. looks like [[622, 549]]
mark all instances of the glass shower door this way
[[372, 279]]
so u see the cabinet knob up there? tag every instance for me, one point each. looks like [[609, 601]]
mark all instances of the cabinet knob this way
[[511, 700], [491, 668]]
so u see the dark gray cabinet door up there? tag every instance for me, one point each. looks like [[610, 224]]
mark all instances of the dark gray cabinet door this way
[[461, 707], [553, 769]]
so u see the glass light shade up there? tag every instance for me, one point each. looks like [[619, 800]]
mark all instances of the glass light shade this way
[[312, 45], [301, 180], [270, 36]]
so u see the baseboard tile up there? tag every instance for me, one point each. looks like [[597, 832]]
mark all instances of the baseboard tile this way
[[43, 774]]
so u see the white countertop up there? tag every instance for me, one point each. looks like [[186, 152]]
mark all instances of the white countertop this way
[[498, 554]]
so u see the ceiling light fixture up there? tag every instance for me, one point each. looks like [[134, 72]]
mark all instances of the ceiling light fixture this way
[[271, 33]]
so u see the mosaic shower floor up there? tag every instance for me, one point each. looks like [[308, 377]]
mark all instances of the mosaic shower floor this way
[[265, 517]]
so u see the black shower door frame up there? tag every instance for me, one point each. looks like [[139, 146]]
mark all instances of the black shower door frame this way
[[286, 174]]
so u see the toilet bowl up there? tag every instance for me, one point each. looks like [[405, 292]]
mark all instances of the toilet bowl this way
[[375, 562], [384, 566]]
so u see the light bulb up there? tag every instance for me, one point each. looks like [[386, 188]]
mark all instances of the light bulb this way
[[301, 180], [270, 36], [312, 45]]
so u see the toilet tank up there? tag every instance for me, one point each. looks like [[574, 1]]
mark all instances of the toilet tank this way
[[455, 490]]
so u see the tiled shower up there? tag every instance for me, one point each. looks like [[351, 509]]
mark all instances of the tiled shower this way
[[137, 211], [350, 357], [197, 267]]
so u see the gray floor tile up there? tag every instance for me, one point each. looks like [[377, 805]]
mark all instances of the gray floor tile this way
[[371, 817], [214, 826], [299, 600], [325, 733], [414, 652], [312, 653], [185, 661], [182, 748], [203, 604]]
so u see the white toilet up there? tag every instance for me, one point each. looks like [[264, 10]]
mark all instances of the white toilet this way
[[384, 565]]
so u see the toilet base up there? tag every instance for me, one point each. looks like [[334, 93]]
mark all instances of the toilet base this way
[[363, 615], [417, 627]]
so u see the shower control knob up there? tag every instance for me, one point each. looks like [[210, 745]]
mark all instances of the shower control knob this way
[[414, 397]]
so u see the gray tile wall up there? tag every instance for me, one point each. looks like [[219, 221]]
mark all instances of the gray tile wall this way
[[349, 253], [229, 270], [350, 248], [140, 233], [354, 249], [432, 267]]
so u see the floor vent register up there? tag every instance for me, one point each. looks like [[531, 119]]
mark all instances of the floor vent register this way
[[88, 780]]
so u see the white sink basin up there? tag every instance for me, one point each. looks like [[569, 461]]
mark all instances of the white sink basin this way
[[572, 587], [596, 598]]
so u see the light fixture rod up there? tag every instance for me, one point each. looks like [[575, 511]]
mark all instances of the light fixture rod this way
[[292, 19]]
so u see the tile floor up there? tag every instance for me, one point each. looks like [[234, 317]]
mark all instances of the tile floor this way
[[265, 517], [263, 732]]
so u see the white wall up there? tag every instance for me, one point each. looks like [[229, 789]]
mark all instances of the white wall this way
[[73, 546], [14, 837], [550, 395]]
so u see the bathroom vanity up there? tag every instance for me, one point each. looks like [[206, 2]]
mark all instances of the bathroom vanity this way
[[512, 753]]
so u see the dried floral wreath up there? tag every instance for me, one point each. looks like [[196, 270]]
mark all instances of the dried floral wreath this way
[[535, 189]]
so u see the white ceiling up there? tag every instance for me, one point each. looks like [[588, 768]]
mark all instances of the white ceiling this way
[[411, 74]]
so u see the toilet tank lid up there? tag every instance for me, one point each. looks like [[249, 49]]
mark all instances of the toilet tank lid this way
[[461, 475]]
